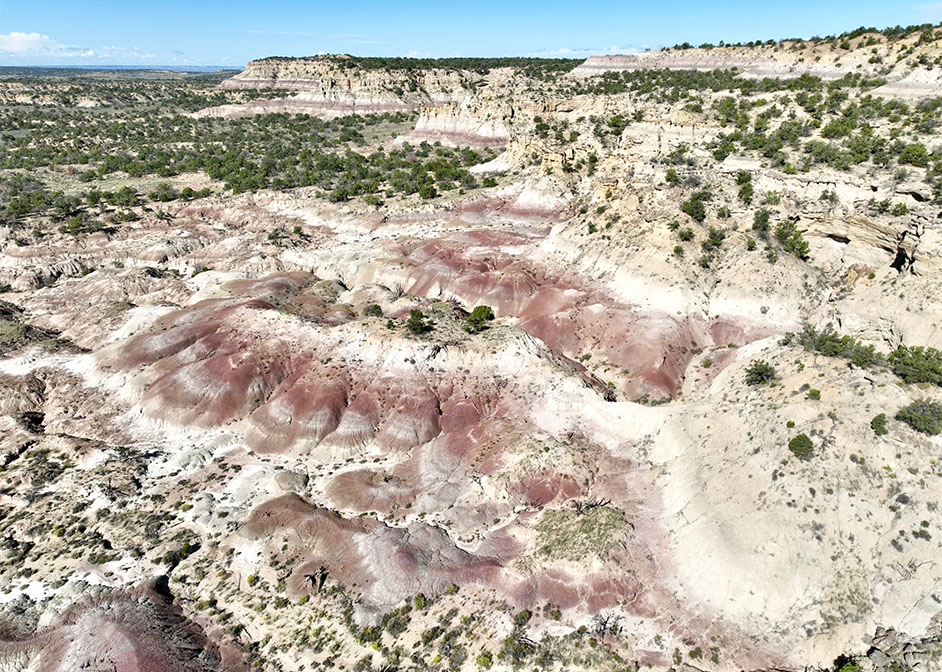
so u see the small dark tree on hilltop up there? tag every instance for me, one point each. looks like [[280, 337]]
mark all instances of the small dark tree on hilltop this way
[[478, 319]]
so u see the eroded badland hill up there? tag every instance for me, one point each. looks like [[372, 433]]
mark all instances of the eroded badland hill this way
[[388, 364]]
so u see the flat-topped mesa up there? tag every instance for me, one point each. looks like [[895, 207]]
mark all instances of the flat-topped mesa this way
[[326, 73], [324, 87], [330, 86], [906, 64], [295, 74]]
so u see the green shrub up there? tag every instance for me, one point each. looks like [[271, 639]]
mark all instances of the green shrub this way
[[81, 223], [715, 238], [801, 447], [694, 207], [522, 618], [791, 239], [915, 155], [478, 319], [760, 372], [839, 127], [416, 322], [484, 660], [830, 343], [760, 222], [746, 192], [672, 177], [373, 310], [922, 415], [917, 364], [820, 151], [814, 394], [878, 425], [162, 193]]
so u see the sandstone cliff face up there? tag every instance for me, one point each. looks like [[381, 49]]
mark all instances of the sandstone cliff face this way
[[459, 125], [457, 108], [325, 104]]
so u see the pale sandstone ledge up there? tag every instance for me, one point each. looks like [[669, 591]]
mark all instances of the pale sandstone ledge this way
[[458, 126]]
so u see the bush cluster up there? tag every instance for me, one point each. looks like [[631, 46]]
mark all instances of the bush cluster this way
[[917, 364], [923, 415], [832, 344]]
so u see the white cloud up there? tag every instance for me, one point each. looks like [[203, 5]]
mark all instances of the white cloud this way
[[23, 44], [37, 45], [38, 49]]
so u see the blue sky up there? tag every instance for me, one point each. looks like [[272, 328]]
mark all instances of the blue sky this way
[[231, 32]]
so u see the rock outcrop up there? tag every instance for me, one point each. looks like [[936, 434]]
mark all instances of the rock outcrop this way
[[458, 125]]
